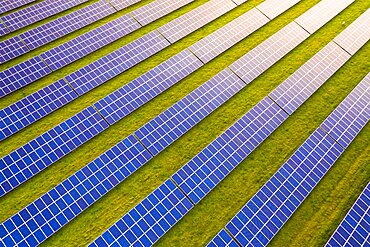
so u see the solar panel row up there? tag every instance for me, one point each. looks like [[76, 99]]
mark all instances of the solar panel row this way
[[8, 5], [12, 48], [354, 229], [273, 9], [122, 4]]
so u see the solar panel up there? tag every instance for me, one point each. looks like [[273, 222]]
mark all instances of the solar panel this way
[[267, 211], [149, 220], [354, 229], [46, 215], [7, 5], [356, 35], [262, 57], [121, 4], [191, 21], [321, 13], [201, 174], [3, 29], [11, 48], [37, 12], [156, 10], [33, 107], [62, 26], [294, 91], [168, 126], [222, 239], [273, 8], [219, 41], [31, 158], [351, 115], [89, 42], [22, 74], [113, 64], [125, 100]]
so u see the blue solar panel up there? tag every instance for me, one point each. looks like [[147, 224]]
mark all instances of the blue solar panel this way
[[222, 239], [56, 208], [89, 42], [351, 115], [35, 106], [37, 12], [167, 127], [355, 227], [121, 4], [64, 25], [113, 64], [149, 220], [28, 160], [136, 93], [11, 48], [7, 5], [22, 74], [3, 29], [201, 174], [294, 91], [267, 211]]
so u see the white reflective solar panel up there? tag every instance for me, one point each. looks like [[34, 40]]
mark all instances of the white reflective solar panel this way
[[273, 8]]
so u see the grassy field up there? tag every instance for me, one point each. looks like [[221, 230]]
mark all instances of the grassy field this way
[[313, 222]]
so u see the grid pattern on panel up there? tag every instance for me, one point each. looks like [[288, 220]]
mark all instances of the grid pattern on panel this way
[[185, 114], [53, 210], [354, 229], [121, 4], [144, 88], [33, 107], [156, 10], [113, 64], [7, 5], [201, 174], [22, 74], [3, 29], [321, 13], [294, 91], [267, 211], [191, 21], [28, 160], [347, 120], [262, 57], [222, 239], [230, 34], [37, 12], [149, 220], [86, 43], [11, 48], [356, 35], [53, 30], [273, 8]]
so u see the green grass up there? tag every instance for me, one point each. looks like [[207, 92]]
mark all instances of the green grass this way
[[314, 221]]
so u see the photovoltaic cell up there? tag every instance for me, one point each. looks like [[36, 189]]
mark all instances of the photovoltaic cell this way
[[356, 35], [33, 107], [149, 220], [167, 127], [121, 4], [273, 8], [28, 160], [219, 41], [116, 62], [354, 229], [22, 74], [7, 5], [89, 42], [222, 239], [321, 13], [144, 88], [191, 21], [294, 91], [201, 174], [37, 12], [156, 10], [262, 57], [351, 115], [11, 48], [62, 26], [3, 29], [267, 211], [46, 215]]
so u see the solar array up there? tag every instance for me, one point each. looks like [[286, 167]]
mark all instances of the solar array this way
[[122, 4], [3, 29], [8, 5], [354, 229], [37, 12], [12, 48]]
